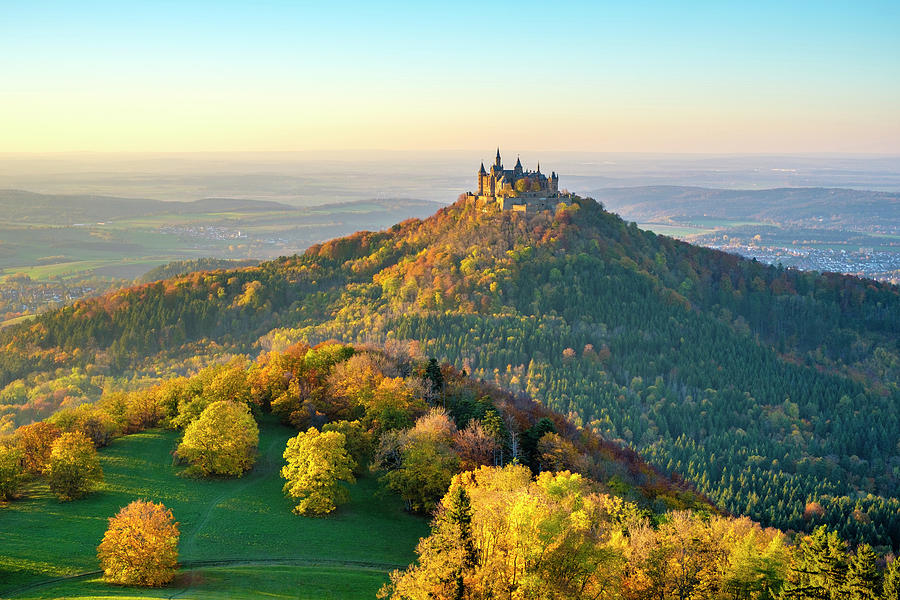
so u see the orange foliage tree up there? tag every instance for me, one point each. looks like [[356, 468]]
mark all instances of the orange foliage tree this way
[[35, 441], [141, 546]]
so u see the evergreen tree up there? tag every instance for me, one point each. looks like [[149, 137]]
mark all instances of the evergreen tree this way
[[892, 580], [862, 576]]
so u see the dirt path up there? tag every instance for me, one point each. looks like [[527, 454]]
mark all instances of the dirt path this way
[[263, 469]]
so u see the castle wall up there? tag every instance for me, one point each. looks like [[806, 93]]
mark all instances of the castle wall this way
[[497, 189]]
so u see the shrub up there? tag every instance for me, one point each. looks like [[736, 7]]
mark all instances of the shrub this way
[[222, 441], [141, 546]]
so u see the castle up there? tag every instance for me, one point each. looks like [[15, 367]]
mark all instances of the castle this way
[[515, 189]]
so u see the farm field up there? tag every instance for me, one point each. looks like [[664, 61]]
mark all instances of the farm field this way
[[57, 249], [47, 245], [236, 534]]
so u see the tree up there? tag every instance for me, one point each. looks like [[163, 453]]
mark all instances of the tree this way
[[357, 441], [73, 468], [35, 441], [426, 468], [222, 441], [892, 580], [434, 376], [140, 547], [498, 533], [11, 474], [862, 576], [90, 420], [475, 447], [819, 567], [426, 462], [317, 463]]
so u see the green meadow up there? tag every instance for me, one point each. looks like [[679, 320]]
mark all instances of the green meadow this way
[[239, 538]]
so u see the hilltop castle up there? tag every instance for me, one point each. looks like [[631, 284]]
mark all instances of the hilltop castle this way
[[515, 189]]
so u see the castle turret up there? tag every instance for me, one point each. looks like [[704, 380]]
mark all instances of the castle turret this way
[[518, 166], [481, 176], [497, 162]]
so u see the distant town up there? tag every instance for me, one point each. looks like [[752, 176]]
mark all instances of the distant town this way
[[864, 262]]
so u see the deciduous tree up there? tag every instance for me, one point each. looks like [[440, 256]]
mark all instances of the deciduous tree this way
[[11, 473], [35, 441], [222, 441], [140, 546], [317, 464], [73, 468]]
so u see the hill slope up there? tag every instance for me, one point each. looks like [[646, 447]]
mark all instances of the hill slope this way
[[774, 391], [224, 523]]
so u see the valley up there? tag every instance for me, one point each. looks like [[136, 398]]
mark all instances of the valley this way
[[827, 230], [57, 248]]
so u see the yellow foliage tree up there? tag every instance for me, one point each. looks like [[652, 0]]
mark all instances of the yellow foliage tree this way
[[317, 463], [11, 473], [73, 468], [141, 546], [222, 441]]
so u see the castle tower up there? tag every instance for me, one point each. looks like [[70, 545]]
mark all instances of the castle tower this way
[[497, 162], [482, 174], [518, 167]]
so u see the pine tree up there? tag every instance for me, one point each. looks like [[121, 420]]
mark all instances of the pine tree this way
[[862, 576], [892, 580]]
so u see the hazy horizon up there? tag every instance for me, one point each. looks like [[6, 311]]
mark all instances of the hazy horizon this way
[[307, 178]]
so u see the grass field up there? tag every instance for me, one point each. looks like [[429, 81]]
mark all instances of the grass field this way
[[241, 532]]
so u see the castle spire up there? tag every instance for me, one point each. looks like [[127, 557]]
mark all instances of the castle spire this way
[[539, 167], [498, 156], [481, 171]]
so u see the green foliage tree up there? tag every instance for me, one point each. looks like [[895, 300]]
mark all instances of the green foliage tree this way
[[819, 567], [140, 547], [316, 465], [892, 580], [73, 468], [425, 462], [863, 578], [222, 441], [357, 440]]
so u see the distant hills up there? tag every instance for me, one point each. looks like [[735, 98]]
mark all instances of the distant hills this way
[[774, 391], [58, 209], [76, 238], [833, 208]]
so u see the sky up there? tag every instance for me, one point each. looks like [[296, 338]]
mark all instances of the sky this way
[[679, 77]]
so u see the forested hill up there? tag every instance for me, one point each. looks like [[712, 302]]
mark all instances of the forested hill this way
[[774, 391]]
